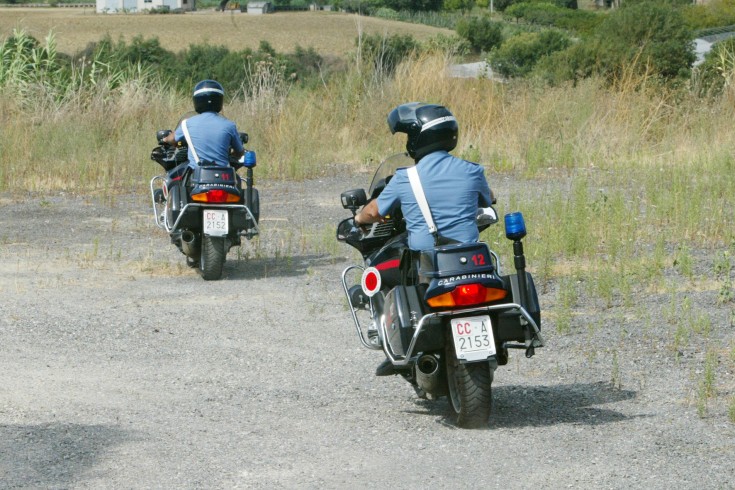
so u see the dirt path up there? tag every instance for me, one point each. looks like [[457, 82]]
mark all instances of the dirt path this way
[[120, 368]]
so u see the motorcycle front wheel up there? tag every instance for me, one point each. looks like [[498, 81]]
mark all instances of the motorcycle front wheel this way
[[470, 389], [212, 257]]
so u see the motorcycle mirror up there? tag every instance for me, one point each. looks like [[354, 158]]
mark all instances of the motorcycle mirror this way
[[486, 216], [244, 138], [353, 199], [345, 228]]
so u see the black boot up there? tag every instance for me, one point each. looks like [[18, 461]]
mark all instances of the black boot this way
[[385, 368]]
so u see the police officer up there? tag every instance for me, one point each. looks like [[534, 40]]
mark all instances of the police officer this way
[[211, 136], [454, 187]]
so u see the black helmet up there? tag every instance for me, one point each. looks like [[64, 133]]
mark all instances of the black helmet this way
[[429, 127], [208, 96]]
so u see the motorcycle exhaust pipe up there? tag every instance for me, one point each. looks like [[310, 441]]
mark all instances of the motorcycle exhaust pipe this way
[[429, 375], [189, 244]]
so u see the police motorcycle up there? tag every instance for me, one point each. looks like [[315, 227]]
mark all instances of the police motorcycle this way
[[205, 211], [445, 318]]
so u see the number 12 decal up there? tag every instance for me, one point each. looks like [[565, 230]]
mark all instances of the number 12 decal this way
[[478, 259]]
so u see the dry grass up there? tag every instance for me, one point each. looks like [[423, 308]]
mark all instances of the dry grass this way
[[329, 33]]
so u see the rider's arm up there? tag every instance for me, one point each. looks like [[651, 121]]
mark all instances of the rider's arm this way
[[368, 214], [236, 147]]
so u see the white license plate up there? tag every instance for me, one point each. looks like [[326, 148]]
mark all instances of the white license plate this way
[[215, 222], [473, 338]]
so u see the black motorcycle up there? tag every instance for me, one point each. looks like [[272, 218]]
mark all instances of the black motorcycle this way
[[206, 210], [445, 317]]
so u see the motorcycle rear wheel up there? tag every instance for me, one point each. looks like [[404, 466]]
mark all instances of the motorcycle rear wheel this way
[[470, 389], [212, 257]]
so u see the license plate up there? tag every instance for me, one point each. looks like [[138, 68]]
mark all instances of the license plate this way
[[215, 222], [473, 338]]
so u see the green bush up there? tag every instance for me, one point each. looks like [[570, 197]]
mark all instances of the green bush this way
[[641, 39], [716, 13], [549, 14], [520, 54], [448, 44], [482, 33], [503, 5], [461, 5], [651, 35], [386, 52]]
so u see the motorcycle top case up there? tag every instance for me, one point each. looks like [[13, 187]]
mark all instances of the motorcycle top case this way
[[445, 267], [210, 177]]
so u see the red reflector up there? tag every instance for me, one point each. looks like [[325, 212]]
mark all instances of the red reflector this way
[[371, 281]]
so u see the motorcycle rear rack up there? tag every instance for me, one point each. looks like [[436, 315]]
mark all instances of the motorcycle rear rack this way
[[537, 339], [165, 225]]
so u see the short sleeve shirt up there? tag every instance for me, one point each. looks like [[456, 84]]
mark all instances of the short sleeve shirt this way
[[212, 136], [454, 189]]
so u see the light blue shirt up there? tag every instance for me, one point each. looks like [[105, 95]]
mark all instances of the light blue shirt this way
[[454, 189], [212, 136]]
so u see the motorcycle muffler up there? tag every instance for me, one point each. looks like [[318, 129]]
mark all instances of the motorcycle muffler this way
[[429, 375], [189, 244]]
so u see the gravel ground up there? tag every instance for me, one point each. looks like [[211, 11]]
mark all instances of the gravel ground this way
[[121, 368]]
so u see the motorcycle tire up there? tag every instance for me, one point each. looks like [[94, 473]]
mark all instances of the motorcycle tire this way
[[212, 257], [470, 389]]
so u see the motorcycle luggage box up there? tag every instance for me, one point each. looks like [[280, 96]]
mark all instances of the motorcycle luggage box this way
[[402, 311], [455, 259], [509, 324], [213, 174]]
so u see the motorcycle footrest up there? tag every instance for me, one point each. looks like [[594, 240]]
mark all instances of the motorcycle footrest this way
[[249, 234]]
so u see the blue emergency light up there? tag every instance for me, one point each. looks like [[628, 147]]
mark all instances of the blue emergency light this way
[[249, 161], [515, 227]]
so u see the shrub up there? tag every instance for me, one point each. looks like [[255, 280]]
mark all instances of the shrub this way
[[641, 39], [453, 45], [385, 53], [549, 14], [482, 33], [519, 54], [651, 35], [462, 5], [716, 13]]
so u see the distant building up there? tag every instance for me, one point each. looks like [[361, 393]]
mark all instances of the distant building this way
[[258, 8], [115, 6]]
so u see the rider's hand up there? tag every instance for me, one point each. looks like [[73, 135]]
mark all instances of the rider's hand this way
[[161, 135]]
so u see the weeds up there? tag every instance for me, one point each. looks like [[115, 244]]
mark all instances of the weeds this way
[[706, 388]]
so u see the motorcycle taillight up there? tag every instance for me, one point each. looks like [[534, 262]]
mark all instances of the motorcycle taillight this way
[[467, 295], [215, 196]]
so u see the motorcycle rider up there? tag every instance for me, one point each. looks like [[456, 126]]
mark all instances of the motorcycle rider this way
[[213, 137], [454, 187]]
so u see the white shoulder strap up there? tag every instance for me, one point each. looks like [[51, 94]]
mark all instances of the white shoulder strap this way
[[418, 191], [188, 141]]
